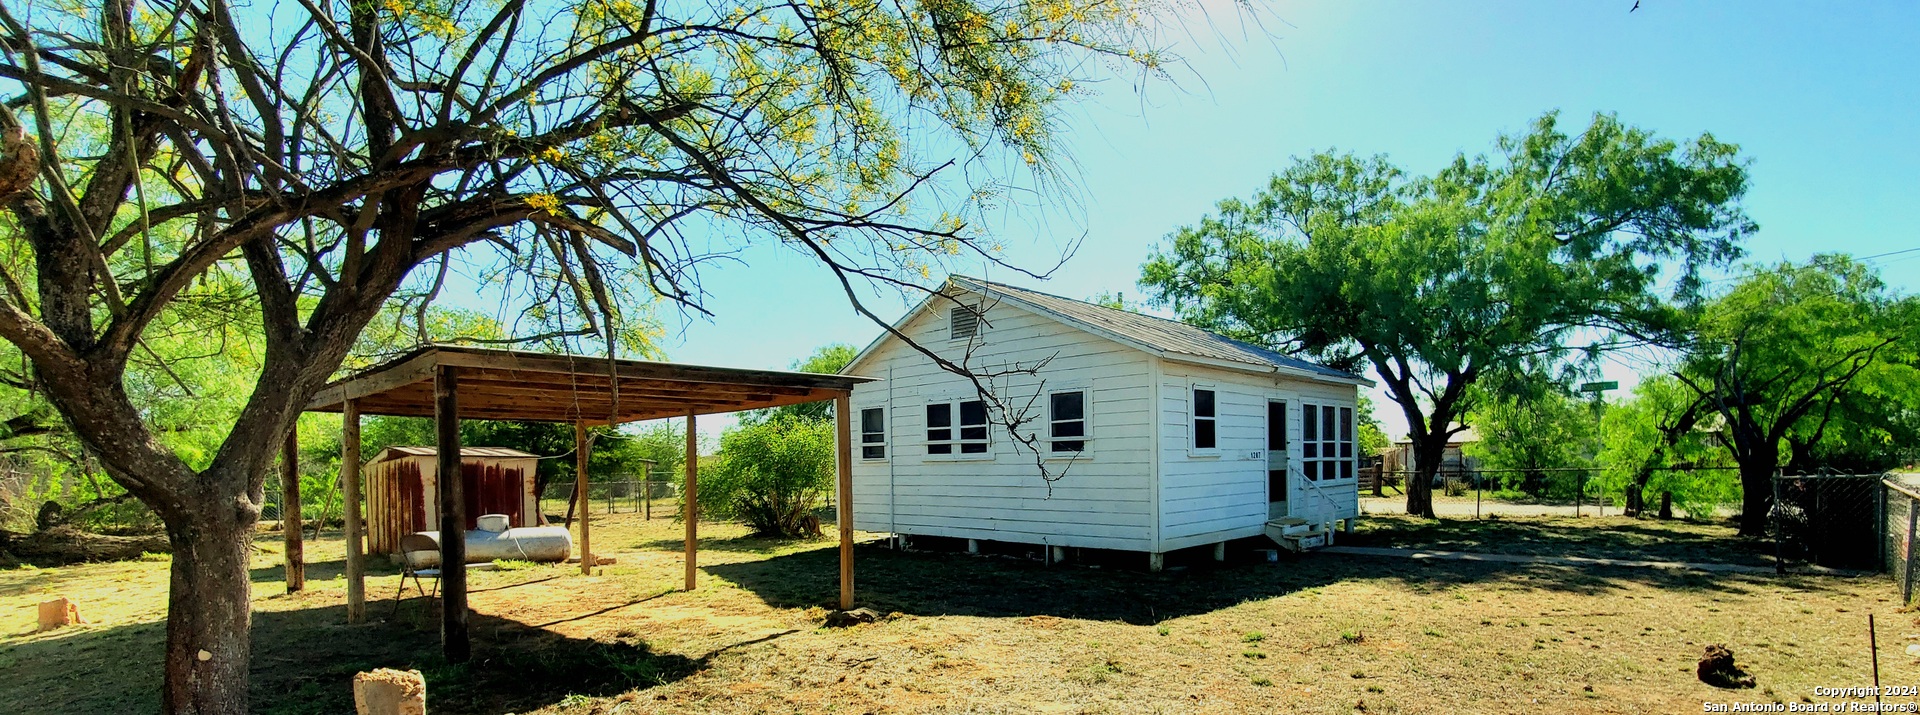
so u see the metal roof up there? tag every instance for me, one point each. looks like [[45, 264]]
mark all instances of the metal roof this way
[[1170, 338], [545, 387]]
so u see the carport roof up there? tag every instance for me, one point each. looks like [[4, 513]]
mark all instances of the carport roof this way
[[499, 384]]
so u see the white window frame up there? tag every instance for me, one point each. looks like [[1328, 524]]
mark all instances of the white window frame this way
[[1343, 443], [1193, 420], [861, 433], [955, 442], [1086, 422]]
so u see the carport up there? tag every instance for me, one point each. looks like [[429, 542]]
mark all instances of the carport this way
[[452, 383]]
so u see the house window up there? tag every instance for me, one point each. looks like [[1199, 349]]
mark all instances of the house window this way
[[971, 435], [873, 433], [1326, 442], [1310, 441], [1067, 421], [963, 322], [1346, 443], [1276, 426], [1203, 419]]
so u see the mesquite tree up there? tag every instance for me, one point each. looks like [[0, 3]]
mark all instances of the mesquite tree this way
[[1490, 267], [1781, 349], [316, 152]]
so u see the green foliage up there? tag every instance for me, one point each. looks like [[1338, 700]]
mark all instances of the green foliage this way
[[1490, 265], [772, 474], [1535, 435], [1116, 300], [828, 359], [1655, 442], [1820, 356], [1373, 439], [664, 443]]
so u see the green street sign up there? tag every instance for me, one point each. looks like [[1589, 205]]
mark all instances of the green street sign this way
[[1600, 386]]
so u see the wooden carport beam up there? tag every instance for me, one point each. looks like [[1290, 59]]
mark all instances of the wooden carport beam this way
[[350, 493], [290, 528], [691, 498], [453, 518], [843, 447], [581, 451]]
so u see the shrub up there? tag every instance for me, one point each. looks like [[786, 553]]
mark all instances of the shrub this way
[[772, 475]]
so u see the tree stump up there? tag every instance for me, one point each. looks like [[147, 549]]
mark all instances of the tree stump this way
[[385, 691]]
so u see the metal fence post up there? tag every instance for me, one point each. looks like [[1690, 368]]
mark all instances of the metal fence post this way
[[1773, 518], [1907, 554], [1880, 521]]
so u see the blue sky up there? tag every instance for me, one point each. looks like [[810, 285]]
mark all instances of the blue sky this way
[[1821, 97]]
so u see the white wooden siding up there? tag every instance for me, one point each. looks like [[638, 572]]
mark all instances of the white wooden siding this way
[[1139, 488], [1207, 499], [1104, 500]]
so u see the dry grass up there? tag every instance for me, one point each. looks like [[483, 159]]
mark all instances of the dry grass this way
[[1588, 536], [1316, 634]]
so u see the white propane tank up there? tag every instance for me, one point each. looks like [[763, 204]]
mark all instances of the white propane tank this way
[[495, 523], [527, 543]]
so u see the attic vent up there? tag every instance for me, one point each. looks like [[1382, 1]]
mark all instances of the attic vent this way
[[962, 323]]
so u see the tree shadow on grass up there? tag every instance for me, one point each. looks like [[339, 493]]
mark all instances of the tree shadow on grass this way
[[304, 662], [1562, 536], [950, 584], [742, 544]]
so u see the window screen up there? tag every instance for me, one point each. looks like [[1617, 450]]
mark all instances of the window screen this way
[[940, 428], [873, 433], [969, 434], [973, 427], [1204, 420], [1326, 442], [1067, 421]]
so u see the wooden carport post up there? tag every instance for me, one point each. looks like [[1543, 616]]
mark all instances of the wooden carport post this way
[[350, 493], [453, 518], [843, 448], [690, 497], [290, 529], [581, 450]]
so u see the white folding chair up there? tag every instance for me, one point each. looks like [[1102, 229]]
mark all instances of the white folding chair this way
[[412, 547]]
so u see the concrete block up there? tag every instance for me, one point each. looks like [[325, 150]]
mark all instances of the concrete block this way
[[385, 691], [58, 612]]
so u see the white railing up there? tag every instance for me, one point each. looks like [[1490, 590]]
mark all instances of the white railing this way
[[1317, 491]]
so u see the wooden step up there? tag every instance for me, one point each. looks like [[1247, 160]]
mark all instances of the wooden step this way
[[1299, 536]]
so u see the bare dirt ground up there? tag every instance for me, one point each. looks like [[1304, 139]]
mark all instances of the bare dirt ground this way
[[1319, 633]]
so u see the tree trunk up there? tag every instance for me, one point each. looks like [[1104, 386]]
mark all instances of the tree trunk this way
[[1636, 493], [209, 612], [1757, 467], [1428, 450], [1666, 505]]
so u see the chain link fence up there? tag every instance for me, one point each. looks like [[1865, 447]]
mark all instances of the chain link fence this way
[[1463, 491], [649, 498], [1900, 539], [1852, 522], [1830, 520]]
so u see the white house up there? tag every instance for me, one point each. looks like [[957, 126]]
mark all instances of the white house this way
[[1154, 435]]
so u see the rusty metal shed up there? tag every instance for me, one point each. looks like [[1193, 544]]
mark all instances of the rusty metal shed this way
[[401, 486], [451, 383]]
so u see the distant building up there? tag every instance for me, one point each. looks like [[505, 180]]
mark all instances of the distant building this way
[[1399, 457]]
